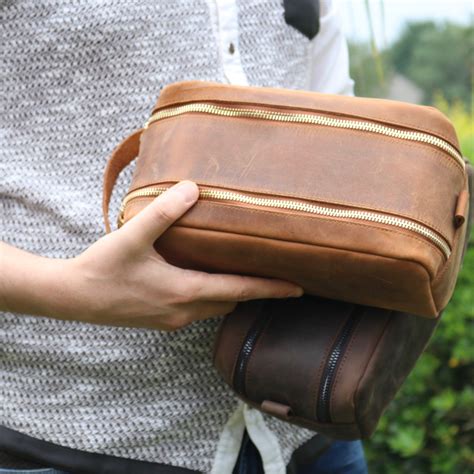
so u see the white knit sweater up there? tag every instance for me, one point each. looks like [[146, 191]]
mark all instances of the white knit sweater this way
[[75, 78]]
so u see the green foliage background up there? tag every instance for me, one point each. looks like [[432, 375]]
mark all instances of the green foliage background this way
[[429, 428]]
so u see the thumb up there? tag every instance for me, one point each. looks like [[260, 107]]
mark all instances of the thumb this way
[[162, 212]]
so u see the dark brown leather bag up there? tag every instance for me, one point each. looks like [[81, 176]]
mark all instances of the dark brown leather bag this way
[[329, 366], [361, 200]]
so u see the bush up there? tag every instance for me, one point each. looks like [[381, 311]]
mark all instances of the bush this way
[[429, 428]]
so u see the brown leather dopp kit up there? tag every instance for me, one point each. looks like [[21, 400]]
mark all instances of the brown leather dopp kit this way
[[365, 203], [326, 365]]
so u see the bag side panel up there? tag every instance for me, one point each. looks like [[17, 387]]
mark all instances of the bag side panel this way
[[402, 343]]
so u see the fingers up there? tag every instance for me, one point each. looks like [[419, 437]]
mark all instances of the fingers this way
[[240, 288], [161, 213]]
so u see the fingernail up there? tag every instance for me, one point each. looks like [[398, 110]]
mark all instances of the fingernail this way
[[188, 190]]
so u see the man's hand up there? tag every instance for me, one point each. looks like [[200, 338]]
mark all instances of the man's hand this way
[[121, 280]]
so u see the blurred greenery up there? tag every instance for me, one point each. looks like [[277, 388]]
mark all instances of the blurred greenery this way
[[435, 57], [429, 427]]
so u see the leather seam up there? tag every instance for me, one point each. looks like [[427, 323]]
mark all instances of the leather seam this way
[[294, 196], [442, 272], [356, 391], [344, 222], [446, 263], [315, 396], [343, 362], [312, 245], [366, 226], [406, 124]]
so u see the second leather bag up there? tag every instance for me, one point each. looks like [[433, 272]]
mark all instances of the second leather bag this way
[[326, 365]]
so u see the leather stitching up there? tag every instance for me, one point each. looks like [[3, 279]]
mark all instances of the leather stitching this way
[[382, 118], [296, 214], [299, 243], [393, 231], [316, 390], [356, 391], [343, 361], [446, 265]]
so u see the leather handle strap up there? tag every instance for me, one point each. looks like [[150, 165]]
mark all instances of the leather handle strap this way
[[124, 153]]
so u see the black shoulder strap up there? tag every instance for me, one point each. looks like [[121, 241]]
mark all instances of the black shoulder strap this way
[[303, 15]]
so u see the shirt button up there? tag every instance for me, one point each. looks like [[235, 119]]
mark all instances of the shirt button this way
[[231, 48]]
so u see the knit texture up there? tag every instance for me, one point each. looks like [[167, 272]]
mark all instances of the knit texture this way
[[76, 77], [274, 54]]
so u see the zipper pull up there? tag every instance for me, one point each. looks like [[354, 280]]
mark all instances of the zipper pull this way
[[461, 206], [276, 409]]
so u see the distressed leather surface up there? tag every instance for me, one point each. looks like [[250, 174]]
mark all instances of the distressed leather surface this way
[[347, 259]]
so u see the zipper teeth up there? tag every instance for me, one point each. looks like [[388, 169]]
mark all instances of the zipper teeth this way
[[309, 119], [247, 348], [221, 195], [323, 413], [241, 366]]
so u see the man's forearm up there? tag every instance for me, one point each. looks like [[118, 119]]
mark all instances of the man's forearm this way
[[29, 283]]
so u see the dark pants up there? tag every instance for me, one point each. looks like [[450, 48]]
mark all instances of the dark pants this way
[[342, 457]]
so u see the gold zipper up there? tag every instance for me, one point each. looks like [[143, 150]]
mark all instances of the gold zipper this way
[[300, 206], [313, 119]]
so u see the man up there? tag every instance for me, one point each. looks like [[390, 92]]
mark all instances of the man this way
[[104, 347]]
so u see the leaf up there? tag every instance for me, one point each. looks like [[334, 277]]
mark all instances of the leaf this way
[[407, 441], [444, 401]]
